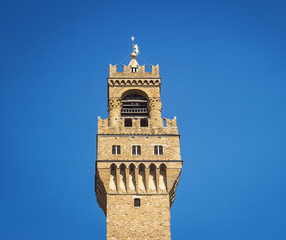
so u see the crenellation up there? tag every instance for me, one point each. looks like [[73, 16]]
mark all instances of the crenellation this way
[[155, 69], [126, 73], [112, 69], [172, 123]]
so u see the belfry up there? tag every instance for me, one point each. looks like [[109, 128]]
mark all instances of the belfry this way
[[138, 162]]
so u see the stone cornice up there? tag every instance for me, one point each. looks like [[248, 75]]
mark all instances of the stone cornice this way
[[134, 82]]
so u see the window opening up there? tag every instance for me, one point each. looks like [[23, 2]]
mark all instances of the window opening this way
[[137, 202], [158, 150], [136, 150], [134, 105], [143, 122], [134, 69], [116, 149], [128, 122]]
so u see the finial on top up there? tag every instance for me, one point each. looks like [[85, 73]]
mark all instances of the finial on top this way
[[135, 46]]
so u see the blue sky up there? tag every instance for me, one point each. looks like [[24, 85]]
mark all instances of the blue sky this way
[[223, 75]]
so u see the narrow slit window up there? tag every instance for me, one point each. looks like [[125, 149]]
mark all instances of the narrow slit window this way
[[158, 150], [116, 149], [136, 150], [137, 202]]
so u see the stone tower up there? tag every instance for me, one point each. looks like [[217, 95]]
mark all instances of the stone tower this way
[[138, 158]]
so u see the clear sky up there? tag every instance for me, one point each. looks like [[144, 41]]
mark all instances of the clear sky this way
[[223, 75]]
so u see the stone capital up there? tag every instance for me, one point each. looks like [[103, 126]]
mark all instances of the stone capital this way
[[114, 103], [155, 104]]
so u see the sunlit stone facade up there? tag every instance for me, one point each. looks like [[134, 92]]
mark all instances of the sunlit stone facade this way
[[138, 156]]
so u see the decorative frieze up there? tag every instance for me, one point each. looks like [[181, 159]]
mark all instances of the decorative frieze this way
[[134, 82]]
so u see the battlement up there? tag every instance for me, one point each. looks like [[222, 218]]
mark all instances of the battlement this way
[[127, 72], [136, 128]]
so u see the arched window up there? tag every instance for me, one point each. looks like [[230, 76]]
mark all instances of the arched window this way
[[134, 105]]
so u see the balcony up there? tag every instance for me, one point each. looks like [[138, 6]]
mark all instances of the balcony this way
[[134, 110]]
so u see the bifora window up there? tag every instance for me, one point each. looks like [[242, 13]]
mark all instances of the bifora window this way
[[136, 150], [158, 150], [116, 149], [137, 202]]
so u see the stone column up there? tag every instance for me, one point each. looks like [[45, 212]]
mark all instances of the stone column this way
[[155, 107], [114, 109]]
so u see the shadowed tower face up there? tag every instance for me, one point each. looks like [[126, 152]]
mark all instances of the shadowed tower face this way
[[138, 158]]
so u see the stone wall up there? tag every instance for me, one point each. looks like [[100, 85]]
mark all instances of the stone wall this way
[[149, 221], [171, 147]]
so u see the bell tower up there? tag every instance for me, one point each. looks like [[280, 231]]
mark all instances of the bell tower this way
[[138, 162]]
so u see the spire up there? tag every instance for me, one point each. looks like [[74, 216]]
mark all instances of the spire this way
[[133, 63]]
